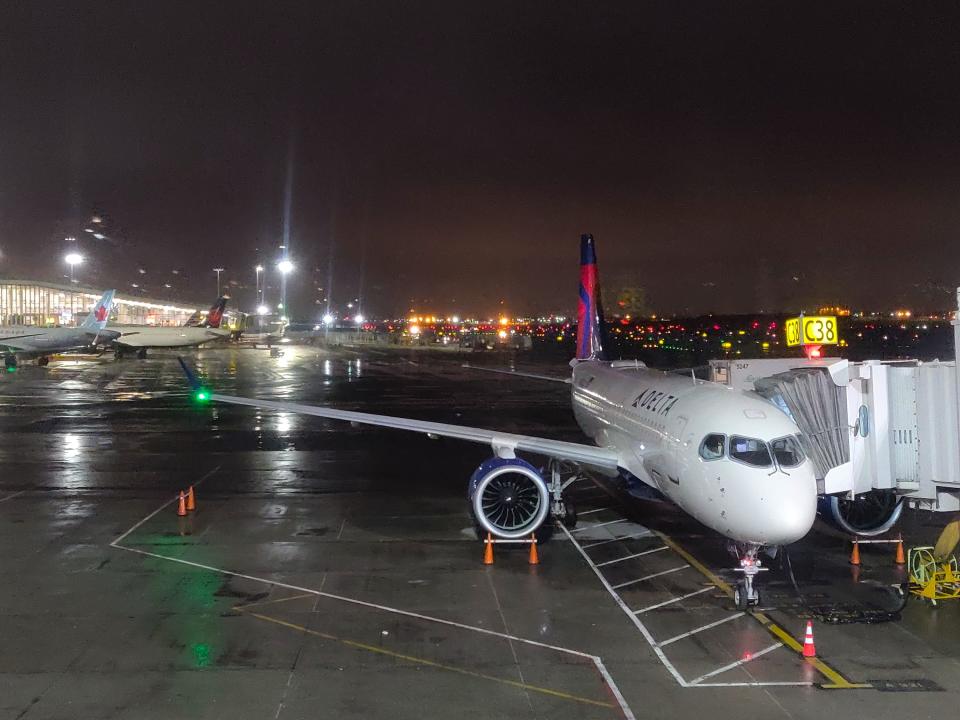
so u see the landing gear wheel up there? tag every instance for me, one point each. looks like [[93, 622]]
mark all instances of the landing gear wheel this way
[[740, 598], [142, 354], [43, 361], [118, 354]]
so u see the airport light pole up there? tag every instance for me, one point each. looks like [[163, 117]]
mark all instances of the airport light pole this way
[[72, 259], [259, 296], [285, 266], [218, 270]]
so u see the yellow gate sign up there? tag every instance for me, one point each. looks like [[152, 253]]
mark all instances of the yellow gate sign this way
[[812, 330]]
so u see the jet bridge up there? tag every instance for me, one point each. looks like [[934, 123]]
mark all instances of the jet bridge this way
[[880, 433]]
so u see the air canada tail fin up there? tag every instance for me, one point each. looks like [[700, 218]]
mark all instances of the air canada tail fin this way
[[214, 315], [590, 324], [97, 318]]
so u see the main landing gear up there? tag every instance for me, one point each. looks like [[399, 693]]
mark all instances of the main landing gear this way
[[142, 354], [43, 361], [562, 508], [745, 593], [10, 362]]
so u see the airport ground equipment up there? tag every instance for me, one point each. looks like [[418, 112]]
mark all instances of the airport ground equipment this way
[[882, 434], [931, 578]]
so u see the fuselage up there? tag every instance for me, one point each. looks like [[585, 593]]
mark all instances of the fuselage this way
[[31, 339], [152, 336], [731, 460]]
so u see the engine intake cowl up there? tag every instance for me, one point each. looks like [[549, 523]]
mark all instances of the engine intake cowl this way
[[872, 513], [509, 498]]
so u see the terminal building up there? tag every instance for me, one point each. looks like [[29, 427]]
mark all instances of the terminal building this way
[[30, 302]]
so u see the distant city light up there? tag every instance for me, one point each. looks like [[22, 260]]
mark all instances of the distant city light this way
[[358, 318], [259, 268], [455, 319], [327, 319], [285, 266], [98, 236], [73, 259]]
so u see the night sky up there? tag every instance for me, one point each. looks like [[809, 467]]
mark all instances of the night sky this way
[[727, 156]]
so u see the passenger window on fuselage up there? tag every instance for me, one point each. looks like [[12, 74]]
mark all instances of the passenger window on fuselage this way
[[787, 451], [712, 447], [750, 451]]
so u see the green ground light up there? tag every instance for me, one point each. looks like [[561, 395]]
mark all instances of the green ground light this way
[[202, 395]]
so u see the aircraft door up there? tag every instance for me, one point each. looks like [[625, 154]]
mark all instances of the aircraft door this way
[[678, 439]]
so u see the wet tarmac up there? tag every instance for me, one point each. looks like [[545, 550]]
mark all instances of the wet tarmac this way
[[332, 571]]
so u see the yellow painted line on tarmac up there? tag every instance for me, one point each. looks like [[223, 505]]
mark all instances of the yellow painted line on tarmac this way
[[837, 681], [431, 663]]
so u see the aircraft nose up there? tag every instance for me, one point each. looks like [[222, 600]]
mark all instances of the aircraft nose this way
[[798, 508]]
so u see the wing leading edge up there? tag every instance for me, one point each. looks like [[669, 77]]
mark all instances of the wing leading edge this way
[[589, 455]]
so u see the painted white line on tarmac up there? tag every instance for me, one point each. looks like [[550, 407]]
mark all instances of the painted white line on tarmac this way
[[738, 663], [635, 555], [12, 496], [702, 628], [651, 576], [673, 600], [596, 525], [595, 510], [646, 533], [595, 659]]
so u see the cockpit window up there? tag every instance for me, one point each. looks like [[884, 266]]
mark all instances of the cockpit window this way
[[750, 451], [712, 447], [787, 451]]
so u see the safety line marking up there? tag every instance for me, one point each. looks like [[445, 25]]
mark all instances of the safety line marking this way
[[12, 496], [635, 555], [673, 600], [651, 577], [646, 533], [243, 608], [738, 663], [434, 664], [837, 681], [595, 659], [701, 629], [589, 512], [597, 525]]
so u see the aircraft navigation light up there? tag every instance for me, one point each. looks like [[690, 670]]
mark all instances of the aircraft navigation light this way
[[201, 395]]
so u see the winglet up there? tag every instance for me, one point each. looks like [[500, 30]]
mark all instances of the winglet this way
[[191, 378]]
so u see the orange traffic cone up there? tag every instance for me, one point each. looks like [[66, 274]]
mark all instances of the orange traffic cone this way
[[855, 554], [534, 557], [182, 505], [900, 559], [809, 649], [488, 551], [191, 501]]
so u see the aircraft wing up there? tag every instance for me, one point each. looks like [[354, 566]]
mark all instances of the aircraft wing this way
[[590, 455], [500, 442], [518, 373], [14, 343]]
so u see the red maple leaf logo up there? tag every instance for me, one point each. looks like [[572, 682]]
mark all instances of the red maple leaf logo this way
[[100, 313]]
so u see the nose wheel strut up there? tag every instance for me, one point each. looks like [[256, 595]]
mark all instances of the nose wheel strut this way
[[745, 593]]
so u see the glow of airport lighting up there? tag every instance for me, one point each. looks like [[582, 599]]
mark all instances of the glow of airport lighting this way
[[285, 266], [73, 259], [327, 319], [358, 318], [263, 310]]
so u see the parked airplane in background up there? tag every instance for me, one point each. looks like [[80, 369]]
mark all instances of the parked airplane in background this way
[[18, 341], [730, 459], [198, 330]]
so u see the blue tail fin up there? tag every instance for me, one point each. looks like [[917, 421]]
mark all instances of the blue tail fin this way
[[96, 320], [590, 326]]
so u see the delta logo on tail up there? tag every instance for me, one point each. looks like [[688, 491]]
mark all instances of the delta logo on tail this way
[[215, 314]]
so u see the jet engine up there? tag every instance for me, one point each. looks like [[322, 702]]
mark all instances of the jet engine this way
[[872, 513], [508, 497]]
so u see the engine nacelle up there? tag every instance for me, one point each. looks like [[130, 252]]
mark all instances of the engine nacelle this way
[[509, 498], [872, 513]]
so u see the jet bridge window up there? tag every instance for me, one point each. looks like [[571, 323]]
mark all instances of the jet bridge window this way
[[787, 451], [712, 446], [750, 451]]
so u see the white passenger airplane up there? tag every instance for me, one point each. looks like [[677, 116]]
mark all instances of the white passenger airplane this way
[[731, 460], [19, 341], [196, 332]]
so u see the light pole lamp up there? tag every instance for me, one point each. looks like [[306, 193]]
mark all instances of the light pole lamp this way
[[72, 259], [259, 297], [218, 270]]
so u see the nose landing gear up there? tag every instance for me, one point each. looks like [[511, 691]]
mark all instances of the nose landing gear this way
[[745, 593]]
